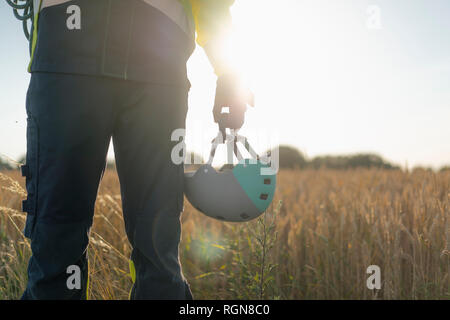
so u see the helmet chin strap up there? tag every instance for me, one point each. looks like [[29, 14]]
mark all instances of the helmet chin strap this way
[[231, 140]]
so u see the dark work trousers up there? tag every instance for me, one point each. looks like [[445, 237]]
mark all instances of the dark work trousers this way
[[71, 120]]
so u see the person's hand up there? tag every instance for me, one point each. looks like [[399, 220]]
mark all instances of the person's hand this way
[[231, 94]]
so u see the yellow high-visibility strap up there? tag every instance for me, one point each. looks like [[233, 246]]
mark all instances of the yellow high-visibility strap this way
[[132, 274], [35, 34]]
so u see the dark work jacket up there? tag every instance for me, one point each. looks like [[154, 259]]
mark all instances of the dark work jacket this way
[[125, 39]]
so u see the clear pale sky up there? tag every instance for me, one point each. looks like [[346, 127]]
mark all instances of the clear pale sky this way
[[324, 82]]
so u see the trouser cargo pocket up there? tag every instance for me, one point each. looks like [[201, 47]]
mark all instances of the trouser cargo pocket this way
[[30, 172]]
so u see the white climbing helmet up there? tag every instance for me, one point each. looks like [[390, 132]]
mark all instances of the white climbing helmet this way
[[239, 194]]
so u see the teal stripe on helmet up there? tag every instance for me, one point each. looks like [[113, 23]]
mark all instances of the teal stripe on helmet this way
[[259, 188]]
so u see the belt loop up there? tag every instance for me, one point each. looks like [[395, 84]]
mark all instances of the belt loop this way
[[27, 206], [25, 170]]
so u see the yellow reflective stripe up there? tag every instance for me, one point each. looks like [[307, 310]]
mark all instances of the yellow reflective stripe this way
[[132, 270], [35, 34], [132, 274], [211, 18]]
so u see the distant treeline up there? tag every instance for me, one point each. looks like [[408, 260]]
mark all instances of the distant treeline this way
[[292, 158]]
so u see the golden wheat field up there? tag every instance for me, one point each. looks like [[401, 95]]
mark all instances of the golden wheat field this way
[[324, 229]]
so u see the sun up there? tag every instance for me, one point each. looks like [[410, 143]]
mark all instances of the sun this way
[[304, 62]]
